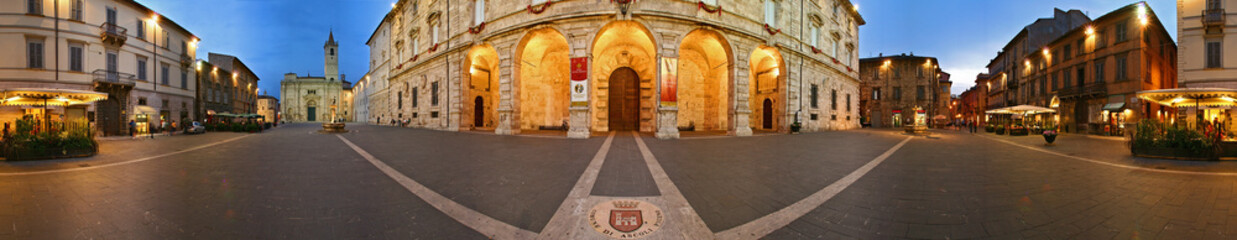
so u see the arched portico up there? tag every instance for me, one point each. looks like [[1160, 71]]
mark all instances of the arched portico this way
[[619, 46], [767, 89], [705, 84], [541, 88], [480, 88]]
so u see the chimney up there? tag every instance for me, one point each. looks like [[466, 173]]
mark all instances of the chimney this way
[[881, 55]]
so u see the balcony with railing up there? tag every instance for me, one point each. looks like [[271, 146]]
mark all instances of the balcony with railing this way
[[185, 60], [1091, 89], [112, 34], [1213, 19], [113, 77]]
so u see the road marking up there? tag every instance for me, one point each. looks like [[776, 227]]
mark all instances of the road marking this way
[[764, 225], [679, 210], [125, 162], [1131, 167], [486, 225], [566, 220]]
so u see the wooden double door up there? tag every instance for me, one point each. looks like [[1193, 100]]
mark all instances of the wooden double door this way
[[624, 100]]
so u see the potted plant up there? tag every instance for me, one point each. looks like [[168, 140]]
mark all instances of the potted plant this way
[[1000, 129], [794, 127], [1050, 136], [989, 128]]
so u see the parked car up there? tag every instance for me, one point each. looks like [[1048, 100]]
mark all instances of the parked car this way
[[196, 127]]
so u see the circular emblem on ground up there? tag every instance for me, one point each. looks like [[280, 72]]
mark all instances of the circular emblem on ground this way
[[626, 218]]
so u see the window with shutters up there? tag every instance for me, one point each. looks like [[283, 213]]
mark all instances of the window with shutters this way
[[75, 57], [1099, 71], [141, 68], [920, 93], [414, 97], [76, 11], [163, 74], [1215, 53], [1121, 68], [34, 53], [1121, 31], [140, 31], [34, 7]]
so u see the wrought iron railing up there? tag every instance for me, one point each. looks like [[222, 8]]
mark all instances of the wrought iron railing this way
[[1097, 88], [1213, 17], [114, 77]]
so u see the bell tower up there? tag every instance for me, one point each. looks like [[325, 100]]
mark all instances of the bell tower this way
[[330, 52]]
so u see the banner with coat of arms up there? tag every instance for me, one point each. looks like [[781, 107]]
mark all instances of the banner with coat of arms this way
[[579, 81]]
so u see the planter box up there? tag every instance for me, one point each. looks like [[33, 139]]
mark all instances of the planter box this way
[[1000, 131], [989, 129], [1173, 153], [1019, 132], [50, 153]]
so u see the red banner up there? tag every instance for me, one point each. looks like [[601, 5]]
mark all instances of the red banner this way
[[579, 69], [669, 81]]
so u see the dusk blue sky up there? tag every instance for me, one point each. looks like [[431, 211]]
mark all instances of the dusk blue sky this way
[[274, 37], [966, 34]]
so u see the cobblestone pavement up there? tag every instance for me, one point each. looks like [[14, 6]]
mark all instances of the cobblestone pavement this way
[[379, 182]]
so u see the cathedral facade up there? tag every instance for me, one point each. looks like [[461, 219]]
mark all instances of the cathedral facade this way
[[660, 66], [317, 99]]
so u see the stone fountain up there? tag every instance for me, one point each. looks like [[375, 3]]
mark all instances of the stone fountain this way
[[333, 126]]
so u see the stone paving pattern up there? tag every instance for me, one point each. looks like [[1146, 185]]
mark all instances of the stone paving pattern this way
[[625, 174], [291, 182], [282, 184], [518, 180]]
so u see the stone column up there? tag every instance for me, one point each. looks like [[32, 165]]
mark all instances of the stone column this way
[[742, 108], [578, 125], [506, 109], [667, 122]]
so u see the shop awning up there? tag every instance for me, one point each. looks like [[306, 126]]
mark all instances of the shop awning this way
[[1114, 106], [1021, 109], [1190, 97]]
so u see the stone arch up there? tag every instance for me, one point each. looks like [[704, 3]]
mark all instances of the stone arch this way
[[480, 79], [623, 44], [540, 89], [705, 84], [768, 81]]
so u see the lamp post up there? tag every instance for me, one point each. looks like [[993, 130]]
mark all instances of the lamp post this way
[[154, 83]]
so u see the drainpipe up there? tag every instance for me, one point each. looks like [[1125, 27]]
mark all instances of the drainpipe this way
[[799, 112], [448, 69]]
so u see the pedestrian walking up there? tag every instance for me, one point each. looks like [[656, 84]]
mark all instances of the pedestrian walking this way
[[132, 128]]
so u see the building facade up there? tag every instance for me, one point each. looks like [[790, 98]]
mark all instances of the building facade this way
[[1207, 43], [376, 87], [317, 99], [268, 107], [140, 59], [1009, 86], [240, 89], [897, 87], [649, 66], [1091, 73]]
